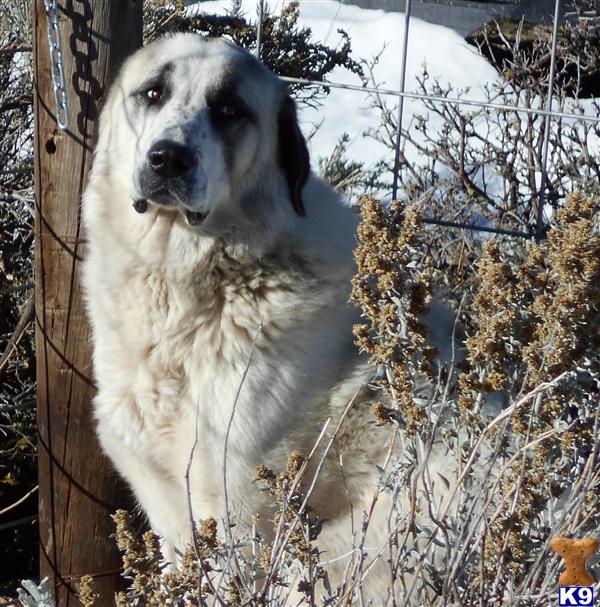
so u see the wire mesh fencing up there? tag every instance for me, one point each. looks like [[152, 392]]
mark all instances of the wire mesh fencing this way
[[549, 108]]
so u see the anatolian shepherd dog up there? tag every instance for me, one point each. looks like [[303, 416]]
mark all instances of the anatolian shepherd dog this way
[[213, 250]]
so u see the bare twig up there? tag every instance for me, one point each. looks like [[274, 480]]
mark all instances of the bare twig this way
[[19, 501], [24, 320]]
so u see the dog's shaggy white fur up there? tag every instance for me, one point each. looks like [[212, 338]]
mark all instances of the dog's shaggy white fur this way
[[233, 243]]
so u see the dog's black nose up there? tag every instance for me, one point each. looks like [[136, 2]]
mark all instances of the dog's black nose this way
[[170, 159]]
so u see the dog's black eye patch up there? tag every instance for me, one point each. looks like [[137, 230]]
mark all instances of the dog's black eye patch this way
[[227, 107], [230, 116]]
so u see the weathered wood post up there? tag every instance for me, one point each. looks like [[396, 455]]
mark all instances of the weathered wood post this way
[[78, 489]]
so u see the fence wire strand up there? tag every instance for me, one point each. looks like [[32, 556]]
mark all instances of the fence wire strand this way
[[396, 171], [539, 228], [259, 26], [504, 107]]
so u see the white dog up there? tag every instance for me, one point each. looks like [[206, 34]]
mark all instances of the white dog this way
[[213, 250]]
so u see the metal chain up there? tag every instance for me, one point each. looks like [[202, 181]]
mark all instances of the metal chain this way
[[56, 64]]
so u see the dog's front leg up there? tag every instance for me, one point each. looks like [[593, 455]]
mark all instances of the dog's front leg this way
[[163, 500]]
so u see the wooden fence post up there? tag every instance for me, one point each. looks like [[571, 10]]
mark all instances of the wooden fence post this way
[[77, 488]]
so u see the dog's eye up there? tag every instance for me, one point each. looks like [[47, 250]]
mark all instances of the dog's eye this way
[[229, 110], [154, 94]]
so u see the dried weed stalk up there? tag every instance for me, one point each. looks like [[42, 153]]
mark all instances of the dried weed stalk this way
[[255, 570], [393, 292]]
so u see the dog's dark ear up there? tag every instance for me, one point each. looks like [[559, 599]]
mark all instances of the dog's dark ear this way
[[292, 152]]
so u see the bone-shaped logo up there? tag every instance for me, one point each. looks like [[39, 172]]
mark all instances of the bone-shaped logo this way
[[574, 554]]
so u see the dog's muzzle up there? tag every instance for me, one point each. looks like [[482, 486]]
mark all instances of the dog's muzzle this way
[[166, 178]]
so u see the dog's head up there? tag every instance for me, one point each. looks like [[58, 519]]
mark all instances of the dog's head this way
[[194, 124]]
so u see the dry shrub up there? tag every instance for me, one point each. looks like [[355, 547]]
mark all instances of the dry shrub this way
[[485, 166], [533, 345], [391, 285], [230, 570]]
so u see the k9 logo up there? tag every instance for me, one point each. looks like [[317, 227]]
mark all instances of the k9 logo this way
[[575, 596]]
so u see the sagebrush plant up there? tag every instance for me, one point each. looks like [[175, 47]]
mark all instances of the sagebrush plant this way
[[534, 345], [350, 177], [222, 568], [545, 306], [143, 568], [388, 288]]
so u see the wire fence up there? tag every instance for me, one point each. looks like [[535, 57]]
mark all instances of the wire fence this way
[[548, 112]]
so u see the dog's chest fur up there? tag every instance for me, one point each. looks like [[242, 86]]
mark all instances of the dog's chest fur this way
[[178, 340]]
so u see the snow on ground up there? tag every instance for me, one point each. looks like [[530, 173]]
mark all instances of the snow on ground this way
[[445, 54]]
